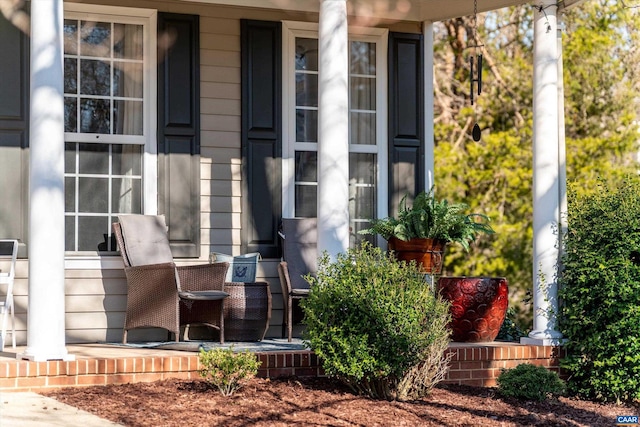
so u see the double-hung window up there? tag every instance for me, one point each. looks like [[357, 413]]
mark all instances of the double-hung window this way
[[367, 124], [109, 73]]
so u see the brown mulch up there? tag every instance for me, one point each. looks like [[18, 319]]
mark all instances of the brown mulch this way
[[323, 402]]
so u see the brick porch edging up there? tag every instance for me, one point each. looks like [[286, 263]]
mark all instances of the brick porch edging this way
[[481, 365], [477, 365]]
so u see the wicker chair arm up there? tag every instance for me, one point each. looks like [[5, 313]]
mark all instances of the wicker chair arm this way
[[285, 281], [203, 277]]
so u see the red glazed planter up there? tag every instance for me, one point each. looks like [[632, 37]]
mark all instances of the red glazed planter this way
[[478, 306]]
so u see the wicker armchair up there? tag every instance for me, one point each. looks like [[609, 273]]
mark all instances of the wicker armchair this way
[[300, 257], [159, 293]]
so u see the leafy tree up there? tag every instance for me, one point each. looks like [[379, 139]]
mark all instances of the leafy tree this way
[[601, 82], [600, 57]]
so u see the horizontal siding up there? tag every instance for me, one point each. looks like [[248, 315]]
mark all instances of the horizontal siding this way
[[220, 123], [221, 41], [222, 90], [220, 221], [222, 205], [230, 173], [220, 107], [223, 73], [222, 188], [220, 139], [97, 303], [98, 320]]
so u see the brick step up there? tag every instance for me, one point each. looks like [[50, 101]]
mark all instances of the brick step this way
[[471, 364]]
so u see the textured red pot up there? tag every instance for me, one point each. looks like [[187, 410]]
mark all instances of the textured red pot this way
[[478, 306], [427, 253]]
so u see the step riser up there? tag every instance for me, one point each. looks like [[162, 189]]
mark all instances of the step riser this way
[[470, 365]]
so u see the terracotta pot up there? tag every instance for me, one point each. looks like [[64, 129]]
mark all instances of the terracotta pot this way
[[478, 306], [427, 253]]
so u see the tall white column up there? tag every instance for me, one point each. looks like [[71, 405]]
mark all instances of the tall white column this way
[[546, 171], [429, 137], [562, 150], [333, 132], [46, 308]]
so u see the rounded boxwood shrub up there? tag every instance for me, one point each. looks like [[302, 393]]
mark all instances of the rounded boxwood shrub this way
[[376, 325], [600, 293], [226, 369], [530, 382]]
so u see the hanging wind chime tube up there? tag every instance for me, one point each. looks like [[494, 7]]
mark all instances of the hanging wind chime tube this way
[[475, 72], [478, 78]]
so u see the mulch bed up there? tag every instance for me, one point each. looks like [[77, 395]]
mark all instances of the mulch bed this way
[[324, 402]]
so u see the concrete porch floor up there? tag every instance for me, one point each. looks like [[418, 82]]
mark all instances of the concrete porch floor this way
[[104, 363]]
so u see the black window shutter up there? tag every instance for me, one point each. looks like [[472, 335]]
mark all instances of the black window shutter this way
[[14, 133], [406, 117], [179, 131], [261, 136]]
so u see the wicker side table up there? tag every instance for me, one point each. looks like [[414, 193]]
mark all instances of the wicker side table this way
[[247, 311]]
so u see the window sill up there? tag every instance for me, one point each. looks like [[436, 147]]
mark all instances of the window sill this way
[[96, 262]]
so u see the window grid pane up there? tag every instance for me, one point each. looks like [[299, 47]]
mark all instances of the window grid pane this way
[[103, 89], [104, 78], [363, 172], [306, 90], [362, 93], [306, 183], [101, 182]]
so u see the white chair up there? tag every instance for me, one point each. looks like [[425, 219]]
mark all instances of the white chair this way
[[8, 256]]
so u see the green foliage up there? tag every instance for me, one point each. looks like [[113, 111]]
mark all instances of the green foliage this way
[[600, 291], [600, 92], [431, 218], [226, 369], [510, 330], [530, 382], [376, 325]]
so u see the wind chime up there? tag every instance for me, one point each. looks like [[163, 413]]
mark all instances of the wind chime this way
[[475, 74]]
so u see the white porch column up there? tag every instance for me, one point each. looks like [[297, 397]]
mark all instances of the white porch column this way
[[546, 177], [429, 138], [46, 308], [333, 132], [562, 151]]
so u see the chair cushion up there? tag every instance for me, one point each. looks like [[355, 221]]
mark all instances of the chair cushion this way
[[146, 240], [203, 295], [299, 246]]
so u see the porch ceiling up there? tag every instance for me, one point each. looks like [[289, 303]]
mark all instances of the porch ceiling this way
[[402, 10]]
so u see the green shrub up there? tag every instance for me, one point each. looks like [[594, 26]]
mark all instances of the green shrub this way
[[376, 325], [510, 330], [530, 382], [600, 293], [226, 369]]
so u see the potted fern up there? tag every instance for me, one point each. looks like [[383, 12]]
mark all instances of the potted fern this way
[[421, 231]]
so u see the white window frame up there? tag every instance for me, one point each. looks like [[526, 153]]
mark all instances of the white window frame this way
[[379, 36], [148, 18]]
